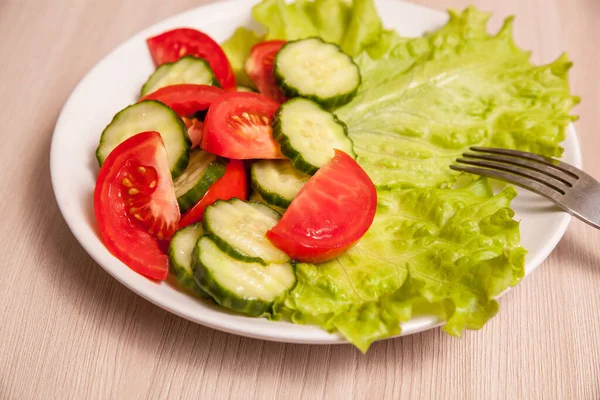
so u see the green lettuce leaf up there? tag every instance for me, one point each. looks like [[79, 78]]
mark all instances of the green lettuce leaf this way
[[353, 25], [455, 249], [433, 248], [237, 49], [425, 101]]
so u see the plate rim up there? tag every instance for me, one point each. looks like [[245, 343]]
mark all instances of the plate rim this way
[[320, 336]]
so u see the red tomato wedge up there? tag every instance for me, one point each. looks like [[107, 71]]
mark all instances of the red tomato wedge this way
[[172, 45], [232, 184], [259, 67], [238, 126], [331, 212], [186, 99], [135, 204], [195, 128]]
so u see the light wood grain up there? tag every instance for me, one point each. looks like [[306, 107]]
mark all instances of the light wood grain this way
[[69, 330]]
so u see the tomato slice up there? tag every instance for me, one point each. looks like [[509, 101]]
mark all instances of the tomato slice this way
[[172, 45], [238, 126], [232, 184], [135, 204], [186, 99], [260, 68], [195, 127], [331, 212]]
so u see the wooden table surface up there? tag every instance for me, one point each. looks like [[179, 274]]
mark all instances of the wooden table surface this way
[[69, 330]]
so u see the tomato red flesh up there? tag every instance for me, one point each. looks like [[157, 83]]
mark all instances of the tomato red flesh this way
[[135, 204], [186, 99], [138, 184], [172, 45], [260, 68], [331, 212], [238, 126], [232, 184]]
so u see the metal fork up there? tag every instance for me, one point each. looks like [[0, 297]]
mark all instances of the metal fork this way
[[571, 189]]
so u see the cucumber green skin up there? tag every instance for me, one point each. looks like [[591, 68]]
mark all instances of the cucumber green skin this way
[[271, 198], [183, 160], [214, 171], [290, 91], [147, 89], [224, 246], [226, 298], [257, 198], [286, 146], [183, 277]]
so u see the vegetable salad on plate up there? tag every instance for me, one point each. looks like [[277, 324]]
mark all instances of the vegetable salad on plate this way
[[301, 173]]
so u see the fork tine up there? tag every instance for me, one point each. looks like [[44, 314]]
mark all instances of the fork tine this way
[[566, 168], [518, 180], [544, 179], [558, 175]]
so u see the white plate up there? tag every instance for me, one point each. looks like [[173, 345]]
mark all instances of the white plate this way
[[115, 82]]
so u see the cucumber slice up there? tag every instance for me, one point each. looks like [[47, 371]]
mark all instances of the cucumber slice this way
[[239, 229], [249, 288], [257, 198], [203, 170], [317, 70], [277, 181], [308, 134], [180, 258], [188, 69], [148, 115]]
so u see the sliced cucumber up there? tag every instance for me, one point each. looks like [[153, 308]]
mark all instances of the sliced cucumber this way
[[246, 287], [277, 181], [180, 257], [308, 134], [239, 229], [148, 115], [188, 69], [203, 170], [317, 70], [257, 198]]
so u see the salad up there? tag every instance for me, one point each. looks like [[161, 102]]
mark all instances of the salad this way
[[302, 172]]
